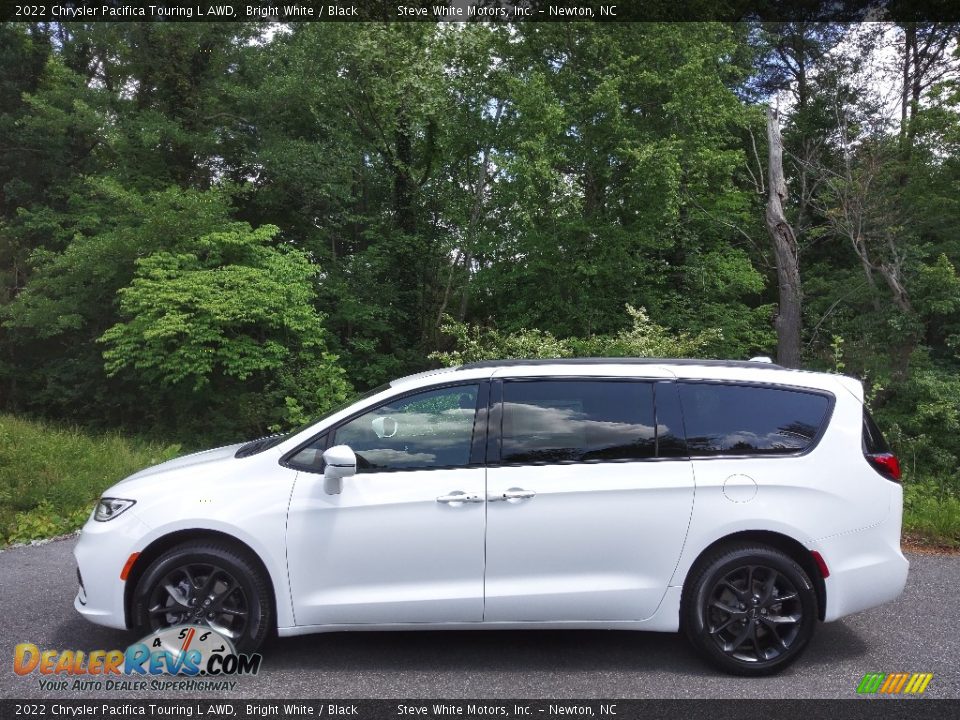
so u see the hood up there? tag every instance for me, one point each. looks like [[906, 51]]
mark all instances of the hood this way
[[195, 460]]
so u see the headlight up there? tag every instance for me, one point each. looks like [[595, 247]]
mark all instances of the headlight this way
[[109, 508]]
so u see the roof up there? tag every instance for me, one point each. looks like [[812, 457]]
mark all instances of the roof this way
[[753, 364]]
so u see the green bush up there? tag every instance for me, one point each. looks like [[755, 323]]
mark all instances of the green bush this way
[[226, 330], [931, 513], [920, 416], [645, 338], [44, 522]]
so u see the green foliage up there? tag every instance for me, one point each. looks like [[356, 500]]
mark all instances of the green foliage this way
[[619, 152], [931, 514], [217, 310], [208, 231], [836, 347], [44, 522], [921, 418], [51, 476], [53, 363], [644, 338], [938, 288], [234, 308], [93, 247], [474, 343]]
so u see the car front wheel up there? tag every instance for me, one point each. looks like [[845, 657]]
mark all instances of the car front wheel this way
[[750, 609], [208, 584]]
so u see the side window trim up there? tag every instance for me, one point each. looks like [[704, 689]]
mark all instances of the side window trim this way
[[495, 423], [478, 443], [814, 442], [666, 404], [330, 432]]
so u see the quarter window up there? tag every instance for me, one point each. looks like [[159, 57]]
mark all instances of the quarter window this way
[[873, 440], [724, 419], [577, 421]]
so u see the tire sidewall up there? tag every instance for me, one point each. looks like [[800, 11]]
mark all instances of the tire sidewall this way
[[243, 571], [696, 610]]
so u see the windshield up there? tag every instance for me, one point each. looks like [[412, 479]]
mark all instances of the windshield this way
[[260, 444]]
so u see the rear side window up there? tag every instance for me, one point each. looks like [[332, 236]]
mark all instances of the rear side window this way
[[873, 440], [577, 421], [727, 419]]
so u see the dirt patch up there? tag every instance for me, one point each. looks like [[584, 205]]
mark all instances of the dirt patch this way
[[921, 546]]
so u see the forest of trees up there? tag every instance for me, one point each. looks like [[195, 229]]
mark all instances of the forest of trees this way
[[209, 231]]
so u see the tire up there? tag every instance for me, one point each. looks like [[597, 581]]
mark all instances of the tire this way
[[753, 633], [240, 602]]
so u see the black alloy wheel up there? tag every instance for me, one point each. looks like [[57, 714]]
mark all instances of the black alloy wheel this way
[[751, 610], [209, 585], [200, 594], [754, 613]]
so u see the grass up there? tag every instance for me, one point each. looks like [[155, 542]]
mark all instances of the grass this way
[[931, 514], [50, 476]]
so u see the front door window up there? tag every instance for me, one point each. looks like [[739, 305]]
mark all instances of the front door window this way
[[433, 429]]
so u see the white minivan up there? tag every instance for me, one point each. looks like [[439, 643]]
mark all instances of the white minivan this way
[[739, 502]]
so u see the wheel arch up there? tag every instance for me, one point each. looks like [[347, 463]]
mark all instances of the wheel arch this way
[[164, 543], [792, 548]]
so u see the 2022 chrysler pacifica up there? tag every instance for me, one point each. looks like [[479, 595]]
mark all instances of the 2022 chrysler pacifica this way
[[737, 502]]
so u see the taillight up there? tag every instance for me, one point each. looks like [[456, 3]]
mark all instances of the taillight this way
[[886, 464]]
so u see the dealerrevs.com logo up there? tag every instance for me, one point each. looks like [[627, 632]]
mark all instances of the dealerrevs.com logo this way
[[184, 651], [894, 683]]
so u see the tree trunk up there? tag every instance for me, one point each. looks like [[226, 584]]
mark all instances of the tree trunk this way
[[891, 275], [909, 43], [907, 104], [785, 251]]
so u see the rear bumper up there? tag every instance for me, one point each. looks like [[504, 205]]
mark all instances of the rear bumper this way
[[866, 567]]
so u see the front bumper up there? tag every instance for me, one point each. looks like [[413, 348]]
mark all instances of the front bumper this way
[[101, 552]]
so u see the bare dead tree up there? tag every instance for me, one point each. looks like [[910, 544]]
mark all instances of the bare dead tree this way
[[784, 248]]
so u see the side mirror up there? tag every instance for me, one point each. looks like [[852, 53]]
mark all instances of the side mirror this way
[[340, 462]]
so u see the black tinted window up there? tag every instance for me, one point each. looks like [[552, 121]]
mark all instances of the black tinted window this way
[[725, 419], [873, 440], [577, 421], [310, 458]]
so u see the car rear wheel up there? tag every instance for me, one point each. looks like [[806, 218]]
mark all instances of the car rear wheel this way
[[206, 584], [750, 609]]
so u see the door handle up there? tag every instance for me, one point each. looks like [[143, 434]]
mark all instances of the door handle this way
[[512, 494], [458, 496]]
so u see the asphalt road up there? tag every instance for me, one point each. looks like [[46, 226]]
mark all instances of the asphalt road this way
[[918, 633]]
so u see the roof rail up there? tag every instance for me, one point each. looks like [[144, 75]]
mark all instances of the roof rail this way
[[753, 363]]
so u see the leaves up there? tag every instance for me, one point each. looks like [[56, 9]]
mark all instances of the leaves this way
[[213, 229], [235, 308], [644, 338]]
